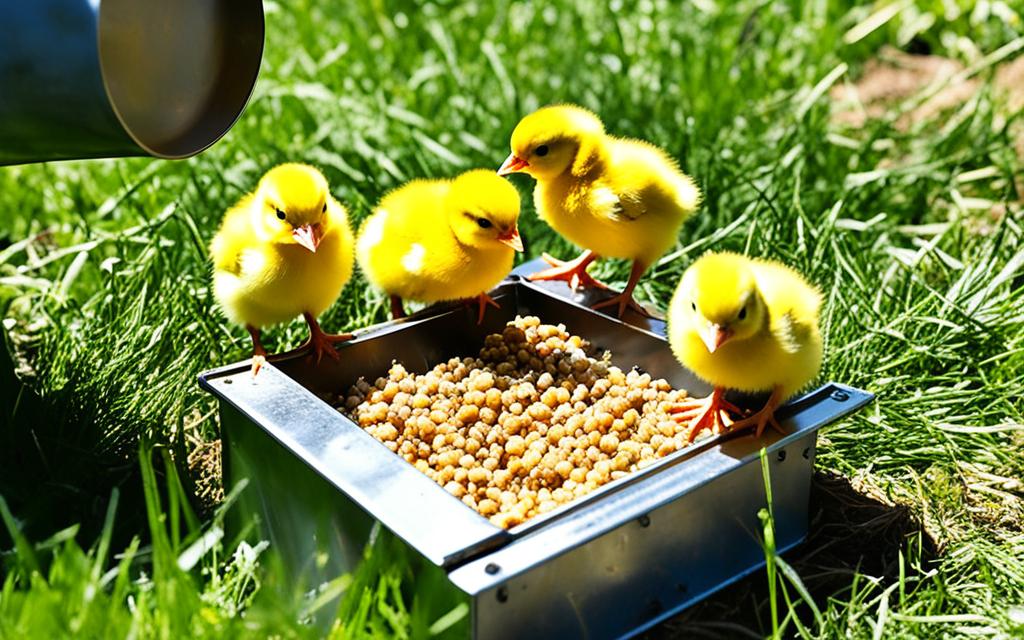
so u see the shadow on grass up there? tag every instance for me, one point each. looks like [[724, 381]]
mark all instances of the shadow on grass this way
[[50, 473], [850, 533]]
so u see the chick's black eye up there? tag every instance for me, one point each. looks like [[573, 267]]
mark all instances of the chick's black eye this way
[[324, 210], [542, 150], [280, 215], [743, 313], [484, 223], [693, 305]]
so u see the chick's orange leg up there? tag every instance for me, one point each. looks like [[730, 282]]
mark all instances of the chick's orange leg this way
[[574, 272], [259, 354], [397, 311], [320, 342], [483, 300], [711, 412], [625, 299], [764, 417], [717, 396]]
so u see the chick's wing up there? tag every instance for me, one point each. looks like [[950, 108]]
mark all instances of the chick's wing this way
[[643, 179], [232, 239], [793, 304], [789, 332]]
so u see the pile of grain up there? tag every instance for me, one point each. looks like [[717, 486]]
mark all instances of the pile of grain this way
[[531, 423]]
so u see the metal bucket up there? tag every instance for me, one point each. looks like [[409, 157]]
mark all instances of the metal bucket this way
[[106, 78]]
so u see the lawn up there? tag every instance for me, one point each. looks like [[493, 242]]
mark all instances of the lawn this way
[[905, 208]]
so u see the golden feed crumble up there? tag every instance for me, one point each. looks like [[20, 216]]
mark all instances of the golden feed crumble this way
[[531, 423]]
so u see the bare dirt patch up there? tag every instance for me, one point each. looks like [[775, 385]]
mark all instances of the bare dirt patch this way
[[895, 77]]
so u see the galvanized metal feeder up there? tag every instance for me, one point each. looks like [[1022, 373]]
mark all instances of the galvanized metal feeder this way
[[610, 564]]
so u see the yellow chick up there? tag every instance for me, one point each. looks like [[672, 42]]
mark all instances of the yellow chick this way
[[283, 250], [615, 197], [434, 240], [746, 324]]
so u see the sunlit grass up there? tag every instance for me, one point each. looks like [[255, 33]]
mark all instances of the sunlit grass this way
[[104, 274]]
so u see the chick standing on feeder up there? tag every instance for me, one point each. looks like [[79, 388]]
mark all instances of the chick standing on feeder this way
[[615, 197], [283, 250], [745, 324], [434, 240]]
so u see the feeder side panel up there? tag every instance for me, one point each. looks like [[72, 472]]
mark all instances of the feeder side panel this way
[[299, 513], [651, 567], [316, 534]]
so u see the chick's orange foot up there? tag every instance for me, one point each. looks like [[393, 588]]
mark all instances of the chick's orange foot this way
[[319, 343], [258, 360], [574, 272], [712, 412], [622, 301], [483, 301], [764, 417], [625, 299], [259, 354]]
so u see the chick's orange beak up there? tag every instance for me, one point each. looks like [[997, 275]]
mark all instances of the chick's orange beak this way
[[308, 235], [714, 336], [512, 164], [512, 239]]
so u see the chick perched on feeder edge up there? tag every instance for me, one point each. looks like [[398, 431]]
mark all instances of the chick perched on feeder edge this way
[[283, 250], [745, 324], [434, 240], [615, 197]]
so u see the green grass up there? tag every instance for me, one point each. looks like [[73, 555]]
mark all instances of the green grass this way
[[104, 281]]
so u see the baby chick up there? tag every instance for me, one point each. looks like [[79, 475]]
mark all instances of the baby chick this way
[[283, 250], [434, 240], [746, 324], [615, 197]]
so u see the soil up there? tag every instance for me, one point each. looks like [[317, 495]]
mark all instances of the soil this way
[[895, 76]]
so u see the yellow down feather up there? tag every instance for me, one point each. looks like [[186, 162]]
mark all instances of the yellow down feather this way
[[767, 313], [262, 273], [433, 240], [618, 197]]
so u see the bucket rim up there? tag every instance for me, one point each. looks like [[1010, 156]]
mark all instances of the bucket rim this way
[[188, 150]]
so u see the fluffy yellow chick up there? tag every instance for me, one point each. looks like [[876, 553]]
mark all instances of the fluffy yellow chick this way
[[746, 324], [614, 197], [283, 250], [434, 240]]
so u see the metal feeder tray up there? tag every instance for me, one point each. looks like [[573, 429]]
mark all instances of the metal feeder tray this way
[[610, 564]]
